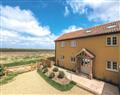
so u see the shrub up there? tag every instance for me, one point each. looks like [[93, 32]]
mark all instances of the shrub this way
[[55, 69], [44, 66], [52, 75], [61, 74], [49, 64], [45, 70], [1, 70]]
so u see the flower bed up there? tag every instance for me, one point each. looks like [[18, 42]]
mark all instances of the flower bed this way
[[55, 77], [55, 84]]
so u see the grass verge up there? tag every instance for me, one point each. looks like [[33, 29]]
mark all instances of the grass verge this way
[[8, 78], [55, 84], [22, 62]]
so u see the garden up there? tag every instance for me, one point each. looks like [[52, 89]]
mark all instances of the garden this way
[[55, 77]]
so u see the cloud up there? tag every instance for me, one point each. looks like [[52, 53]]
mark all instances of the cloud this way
[[71, 29], [96, 10], [20, 28], [66, 11]]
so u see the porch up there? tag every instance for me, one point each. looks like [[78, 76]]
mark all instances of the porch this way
[[84, 63]]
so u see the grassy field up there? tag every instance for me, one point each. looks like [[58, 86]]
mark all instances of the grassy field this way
[[15, 57]]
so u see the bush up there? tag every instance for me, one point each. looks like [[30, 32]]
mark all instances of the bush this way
[[1, 70], [45, 70], [61, 74], [49, 65], [52, 75], [44, 66], [55, 69]]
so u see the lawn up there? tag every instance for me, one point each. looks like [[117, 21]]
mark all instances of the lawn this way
[[7, 78]]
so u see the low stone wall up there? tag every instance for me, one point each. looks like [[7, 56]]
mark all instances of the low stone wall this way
[[20, 69]]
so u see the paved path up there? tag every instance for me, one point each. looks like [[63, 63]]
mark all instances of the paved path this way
[[31, 83], [95, 86]]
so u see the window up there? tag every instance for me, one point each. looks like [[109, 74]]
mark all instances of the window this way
[[62, 58], [112, 65], [112, 26], [88, 31], [72, 59], [62, 44], [108, 40], [114, 40], [111, 41], [73, 43]]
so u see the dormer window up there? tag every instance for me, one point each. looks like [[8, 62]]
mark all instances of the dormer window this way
[[112, 26], [88, 31]]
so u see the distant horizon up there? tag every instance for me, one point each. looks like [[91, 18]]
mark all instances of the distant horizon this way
[[29, 48]]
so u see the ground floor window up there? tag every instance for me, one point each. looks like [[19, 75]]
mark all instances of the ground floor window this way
[[112, 65], [73, 59]]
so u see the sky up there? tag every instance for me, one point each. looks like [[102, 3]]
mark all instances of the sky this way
[[37, 23]]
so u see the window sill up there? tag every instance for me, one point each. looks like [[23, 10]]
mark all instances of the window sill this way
[[111, 45], [112, 70]]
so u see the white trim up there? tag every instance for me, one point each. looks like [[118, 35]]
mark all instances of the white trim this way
[[111, 38], [111, 69]]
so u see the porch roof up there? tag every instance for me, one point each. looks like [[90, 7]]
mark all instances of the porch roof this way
[[91, 55]]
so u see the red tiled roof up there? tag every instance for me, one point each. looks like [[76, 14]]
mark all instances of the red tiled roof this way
[[113, 27]]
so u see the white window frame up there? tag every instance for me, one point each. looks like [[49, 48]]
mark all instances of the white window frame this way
[[111, 69], [62, 43], [111, 41], [73, 43]]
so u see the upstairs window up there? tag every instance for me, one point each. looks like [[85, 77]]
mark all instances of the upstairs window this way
[[114, 40], [112, 65], [111, 41], [108, 40], [73, 43], [62, 44]]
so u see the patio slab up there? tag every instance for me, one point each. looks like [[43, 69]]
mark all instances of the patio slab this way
[[95, 86]]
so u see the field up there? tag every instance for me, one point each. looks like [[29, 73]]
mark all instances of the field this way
[[15, 57]]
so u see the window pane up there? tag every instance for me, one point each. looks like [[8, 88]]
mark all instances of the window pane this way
[[108, 41], [114, 65], [109, 65], [114, 40], [73, 43], [62, 44]]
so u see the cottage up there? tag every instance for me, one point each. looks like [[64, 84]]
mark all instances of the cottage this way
[[94, 52]]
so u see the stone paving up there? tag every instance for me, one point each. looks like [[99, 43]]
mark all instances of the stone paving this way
[[95, 86], [31, 83]]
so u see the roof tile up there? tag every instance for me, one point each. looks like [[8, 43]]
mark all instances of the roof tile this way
[[96, 30]]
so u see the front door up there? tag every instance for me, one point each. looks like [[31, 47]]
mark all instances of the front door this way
[[85, 68]]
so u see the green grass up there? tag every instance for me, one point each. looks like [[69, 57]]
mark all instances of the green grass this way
[[7, 78], [22, 62], [56, 85]]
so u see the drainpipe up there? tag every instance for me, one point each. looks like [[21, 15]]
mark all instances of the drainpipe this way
[[119, 76]]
